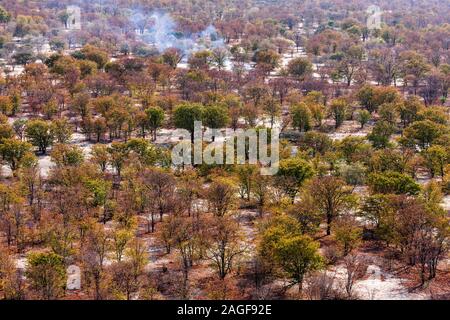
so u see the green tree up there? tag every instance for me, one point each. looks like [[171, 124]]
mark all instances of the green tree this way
[[422, 133], [39, 133], [154, 119], [47, 274], [363, 116], [64, 18], [186, 114], [380, 134], [23, 58], [295, 254], [354, 148], [437, 157], [409, 110], [299, 68], [365, 97], [13, 151], [301, 117], [215, 117], [95, 54], [5, 16], [293, 172], [316, 142], [145, 151], [338, 108], [67, 155], [392, 182], [118, 153], [61, 130], [245, 174], [377, 209], [347, 233], [373, 97]]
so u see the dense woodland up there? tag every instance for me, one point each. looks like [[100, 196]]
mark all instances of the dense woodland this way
[[87, 180]]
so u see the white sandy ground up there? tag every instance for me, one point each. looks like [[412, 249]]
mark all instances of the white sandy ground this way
[[379, 285]]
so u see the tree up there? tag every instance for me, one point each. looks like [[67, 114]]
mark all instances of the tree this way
[[373, 97], [123, 283], [245, 174], [331, 197], [301, 117], [11, 279], [93, 254], [355, 268], [365, 97], [299, 68], [64, 18], [350, 62], [100, 156], [297, 256], [422, 133], [47, 274], [384, 64], [61, 130], [221, 196], [392, 182], [137, 255], [145, 152], [389, 112], [13, 152], [380, 134], [272, 108], [160, 187], [6, 131], [172, 57], [186, 114], [410, 109], [219, 57], [347, 233], [353, 148], [23, 58], [377, 209], [155, 118], [436, 158], [97, 55], [339, 108], [67, 155], [363, 116], [293, 172], [19, 126], [40, 134], [215, 117], [306, 214], [262, 191], [99, 127], [414, 66], [200, 59], [282, 244], [5, 16], [5, 105], [118, 153], [224, 245], [316, 142]]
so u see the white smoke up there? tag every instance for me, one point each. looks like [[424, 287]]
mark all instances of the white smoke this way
[[159, 30]]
